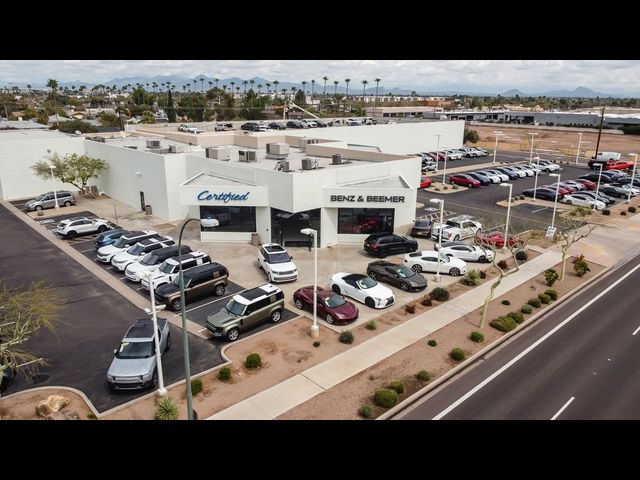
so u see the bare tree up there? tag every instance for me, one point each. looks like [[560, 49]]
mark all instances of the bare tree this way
[[573, 228]]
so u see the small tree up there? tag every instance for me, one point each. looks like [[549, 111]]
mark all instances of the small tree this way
[[72, 168], [471, 136], [573, 228]]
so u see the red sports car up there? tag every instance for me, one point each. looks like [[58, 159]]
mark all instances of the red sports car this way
[[587, 183], [464, 180], [425, 182], [331, 306], [495, 238]]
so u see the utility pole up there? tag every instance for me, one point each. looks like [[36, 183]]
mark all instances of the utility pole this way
[[599, 133]]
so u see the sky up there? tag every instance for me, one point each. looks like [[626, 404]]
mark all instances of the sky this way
[[490, 76]]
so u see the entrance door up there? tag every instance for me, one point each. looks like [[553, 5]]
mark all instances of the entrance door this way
[[142, 204], [286, 226]]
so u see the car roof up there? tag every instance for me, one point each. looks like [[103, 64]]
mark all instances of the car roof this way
[[248, 296], [354, 276], [273, 248], [143, 328], [213, 266]]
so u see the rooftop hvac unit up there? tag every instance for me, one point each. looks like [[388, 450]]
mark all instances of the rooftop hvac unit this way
[[247, 155], [283, 166], [218, 153], [132, 147], [304, 141], [278, 148], [176, 148], [153, 143], [309, 163], [336, 159]]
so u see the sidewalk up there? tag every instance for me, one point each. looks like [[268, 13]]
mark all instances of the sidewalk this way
[[286, 395]]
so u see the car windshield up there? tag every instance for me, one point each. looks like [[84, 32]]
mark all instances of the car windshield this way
[[39, 198], [235, 308], [279, 257], [149, 259], [334, 301], [120, 243], [136, 250], [135, 350], [405, 272], [423, 223], [366, 282], [444, 258], [166, 268]]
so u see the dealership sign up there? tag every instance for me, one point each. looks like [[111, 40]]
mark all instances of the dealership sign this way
[[367, 198], [223, 197]]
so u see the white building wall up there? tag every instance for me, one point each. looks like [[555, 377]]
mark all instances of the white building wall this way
[[263, 223]]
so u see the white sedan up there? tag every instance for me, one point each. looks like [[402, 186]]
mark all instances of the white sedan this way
[[468, 253], [427, 261], [362, 288], [581, 200]]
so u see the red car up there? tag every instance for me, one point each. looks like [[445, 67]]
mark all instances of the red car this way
[[331, 306], [495, 238], [587, 183], [619, 165], [464, 180], [425, 182]]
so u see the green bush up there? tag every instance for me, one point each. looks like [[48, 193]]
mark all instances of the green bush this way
[[426, 301], [580, 266], [505, 302], [432, 343], [517, 316], [502, 264], [553, 294], [521, 255], [526, 308], [410, 308], [398, 387], [316, 344], [423, 376], [224, 374], [457, 354], [91, 416], [253, 361], [471, 279], [504, 324], [346, 336], [476, 337], [606, 212], [385, 398], [544, 298], [440, 294], [371, 325], [196, 386], [632, 209], [550, 275], [365, 411], [167, 409], [534, 302]]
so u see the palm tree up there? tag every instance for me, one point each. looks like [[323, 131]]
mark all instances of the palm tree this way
[[202, 83], [293, 92], [184, 88], [377, 80], [252, 83], [224, 87], [304, 87], [245, 83], [147, 86], [29, 88], [313, 85], [364, 88], [275, 85], [210, 85], [232, 85], [324, 89], [335, 87], [238, 92], [347, 80], [195, 82], [268, 87], [259, 87]]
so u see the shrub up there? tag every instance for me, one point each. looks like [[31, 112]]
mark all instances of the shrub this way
[[398, 387], [423, 376], [483, 274], [437, 189], [504, 324], [316, 344], [457, 354], [454, 187], [445, 188], [410, 308], [606, 211], [365, 411], [196, 386], [502, 264], [623, 213], [441, 294], [632, 209], [534, 302], [167, 409], [550, 275], [346, 336], [544, 298], [476, 337], [371, 325], [432, 343], [505, 302], [426, 301], [517, 316], [224, 374], [253, 361], [580, 266], [553, 294], [526, 308], [91, 416], [385, 398], [471, 279], [521, 255]]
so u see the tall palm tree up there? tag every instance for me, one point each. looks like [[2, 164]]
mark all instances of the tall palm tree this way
[[216, 80], [224, 87], [377, 80], [252, 83], [268, 87], [335, 87], [293, 92], [275, 85], [232, 85], [245, 83], [304, 86], [147, 86], [202, 83], [184, 88], [259, 87], [195, 82], [324, 89], [210, 85], [29, 88], [347, 80], [364, 89], [313, 85], [238, 91]]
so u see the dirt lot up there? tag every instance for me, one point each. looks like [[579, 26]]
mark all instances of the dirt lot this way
[[22, 406]]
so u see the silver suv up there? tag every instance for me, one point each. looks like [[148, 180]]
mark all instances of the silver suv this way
[[47, 200], [134, 365]]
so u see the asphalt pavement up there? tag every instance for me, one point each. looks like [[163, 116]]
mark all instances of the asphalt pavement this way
[[581, 361]]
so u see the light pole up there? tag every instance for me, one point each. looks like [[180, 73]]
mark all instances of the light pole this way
[[555, 201], [533, 134], [506, 226], [598, 185], [205, 222], [633, 174], [535, 186], [579, 144], [495, 148], [53, 178], [444, 170], [441, 202], [161, 390], [315, 330], [437, 150]]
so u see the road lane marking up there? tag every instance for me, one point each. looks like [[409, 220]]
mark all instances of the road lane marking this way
[[539, 210], [636, 331], [563, 407], [202, 330], [85, 251], [497, 373], [109, 268]]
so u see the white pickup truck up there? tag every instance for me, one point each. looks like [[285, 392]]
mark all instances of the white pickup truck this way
[[72, 227]]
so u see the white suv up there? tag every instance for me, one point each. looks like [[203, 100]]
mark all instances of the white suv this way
[[188, 129], [276, 262], [169, 269], [72, 227], [460, 227], [122, 260]]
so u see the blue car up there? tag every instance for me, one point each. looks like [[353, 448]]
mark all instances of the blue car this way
[[109, 237]]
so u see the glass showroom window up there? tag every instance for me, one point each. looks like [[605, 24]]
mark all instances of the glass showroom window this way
[[365, 220], [232, 219]]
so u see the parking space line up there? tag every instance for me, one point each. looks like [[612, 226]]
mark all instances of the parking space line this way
[[539, 210], [122, 278], [213, 301], [109, 268], [202, 330], [139, 288], [85, 251]]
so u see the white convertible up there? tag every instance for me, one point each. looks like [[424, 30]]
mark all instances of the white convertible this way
[[427, 261], [362, 288], [468, 253]]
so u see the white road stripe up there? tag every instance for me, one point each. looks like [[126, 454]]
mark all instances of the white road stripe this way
[[563, 407], [85, 251], [202, 330], [212, 301], [497, 373], [109, 268], [636, 331], [539, 210]]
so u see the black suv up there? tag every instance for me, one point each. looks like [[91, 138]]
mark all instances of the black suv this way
[[250, 126], [383, 244], [397, 275]]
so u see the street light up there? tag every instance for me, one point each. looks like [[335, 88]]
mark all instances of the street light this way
[[598, 185], [579, 144], [506, 227], [437, 149], [535, 186], [206, 223], [555, 202], [444, 170], [53, 178], [633, 174], [441, 202], [315, 330], [149, 275], [495, 148], [531, 152]]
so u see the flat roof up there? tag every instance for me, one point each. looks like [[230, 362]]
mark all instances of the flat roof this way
[[385, 182], [32, 134], [207, 180], [141, 144]]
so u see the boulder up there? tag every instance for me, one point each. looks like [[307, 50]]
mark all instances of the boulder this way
[[53, 403], [63, 415]]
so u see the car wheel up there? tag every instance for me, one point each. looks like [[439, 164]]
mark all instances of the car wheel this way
[[335, 288], [269, 277], [384, 253], [299, 304], [38, 208], [176, 305], [404, 287], [102, 228], [416, 268], [483, 259], [219, 291], [456, 238], [71, 235], [276, 316], [568, 202], [373, 275], [369, 302], [329, 319], [454, 272], [232, 334], [168, 346], [67, 203]]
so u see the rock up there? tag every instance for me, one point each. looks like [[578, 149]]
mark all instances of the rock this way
[[63, 415], [53, 403]]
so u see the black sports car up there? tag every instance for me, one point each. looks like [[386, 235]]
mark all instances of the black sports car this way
[[397, 275]]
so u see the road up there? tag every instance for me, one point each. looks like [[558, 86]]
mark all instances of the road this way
[[581, 362]]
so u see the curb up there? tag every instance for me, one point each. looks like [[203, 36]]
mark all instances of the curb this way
[[71, 389], [489, 348]]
